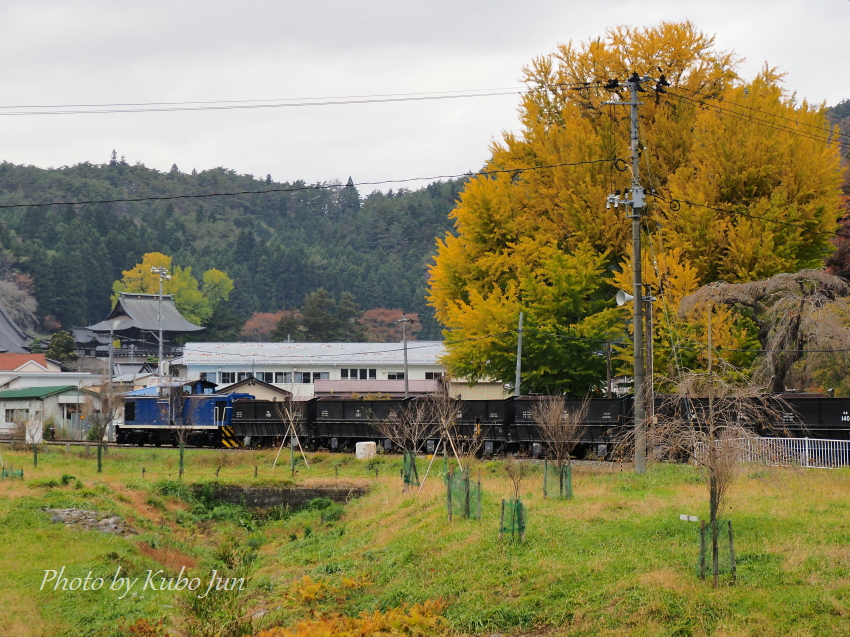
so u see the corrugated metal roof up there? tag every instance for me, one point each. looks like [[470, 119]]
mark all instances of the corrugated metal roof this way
[[294, 354], [36, 392], [141, 311]]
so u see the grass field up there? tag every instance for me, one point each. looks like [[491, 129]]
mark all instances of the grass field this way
[[615, 560]]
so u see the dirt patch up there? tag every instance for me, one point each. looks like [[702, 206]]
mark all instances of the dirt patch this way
[[170, 558]]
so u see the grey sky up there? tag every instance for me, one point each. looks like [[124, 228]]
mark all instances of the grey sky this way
[[94, 52]]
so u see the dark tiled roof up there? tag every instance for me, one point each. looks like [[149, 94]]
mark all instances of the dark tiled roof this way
[[12, 338], [141, 312]]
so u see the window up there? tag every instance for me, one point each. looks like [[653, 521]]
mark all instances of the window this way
[[395, 375], [244, 376], [129, 410], [354, 374], [278, 377], [209, 376], [433, 375], [227, 378], [321, 376], [303, 377], [266, 377]]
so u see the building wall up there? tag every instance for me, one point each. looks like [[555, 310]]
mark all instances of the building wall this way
[[291, 378]]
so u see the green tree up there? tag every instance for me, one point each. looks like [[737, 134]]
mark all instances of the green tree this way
[[61, 348], [542, 242], [196, 305]]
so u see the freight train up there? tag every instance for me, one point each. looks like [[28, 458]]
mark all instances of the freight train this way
[[338, 423]]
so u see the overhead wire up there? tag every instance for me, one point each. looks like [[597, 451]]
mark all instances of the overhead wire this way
[[744, 117], [265, 191], [827, 130], [224, 105]]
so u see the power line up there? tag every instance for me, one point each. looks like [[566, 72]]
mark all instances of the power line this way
[[675, 203], [230, 107], [280, 99], [744, 117], [223, 105], [266, 191], [827, 130]]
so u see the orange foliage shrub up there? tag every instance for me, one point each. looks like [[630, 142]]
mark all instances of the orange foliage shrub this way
[[419, 620], [381, 326], [260, 326]]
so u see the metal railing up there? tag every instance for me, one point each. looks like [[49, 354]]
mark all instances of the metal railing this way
[[814, 453]]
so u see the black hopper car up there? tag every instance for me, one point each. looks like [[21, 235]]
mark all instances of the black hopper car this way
[[505, 426]]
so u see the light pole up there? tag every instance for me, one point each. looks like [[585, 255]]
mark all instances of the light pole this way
[[404, 321], [163, 274]]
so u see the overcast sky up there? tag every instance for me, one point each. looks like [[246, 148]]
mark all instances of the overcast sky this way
[[117, 51]]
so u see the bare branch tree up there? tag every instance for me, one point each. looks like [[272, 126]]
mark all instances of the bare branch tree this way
[[100, 411], [560, 426], [33, 427], [177, 406], [517, 471], [463, 439], [409, 427], [712, 422], [562, 429]]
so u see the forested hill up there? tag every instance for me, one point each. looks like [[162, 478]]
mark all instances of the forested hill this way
[[277, 247]]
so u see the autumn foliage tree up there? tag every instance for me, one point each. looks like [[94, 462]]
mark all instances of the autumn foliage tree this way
[[741, 158], [195, 301]]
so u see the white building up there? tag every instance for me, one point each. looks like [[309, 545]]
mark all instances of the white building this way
[[20, 371], [297, 367]]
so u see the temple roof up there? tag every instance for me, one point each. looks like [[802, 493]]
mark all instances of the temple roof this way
[[12, 338], [141, 312]]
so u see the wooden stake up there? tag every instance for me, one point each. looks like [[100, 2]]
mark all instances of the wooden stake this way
[[702, 549]]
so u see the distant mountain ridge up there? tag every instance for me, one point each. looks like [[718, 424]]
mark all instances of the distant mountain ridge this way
[[277, 246]]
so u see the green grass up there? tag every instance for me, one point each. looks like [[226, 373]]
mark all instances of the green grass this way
[[614, 560]]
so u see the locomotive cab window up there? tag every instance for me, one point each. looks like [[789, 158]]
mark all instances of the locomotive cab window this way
[[130, 410]]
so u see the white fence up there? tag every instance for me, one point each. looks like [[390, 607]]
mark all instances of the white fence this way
[[801, 452]]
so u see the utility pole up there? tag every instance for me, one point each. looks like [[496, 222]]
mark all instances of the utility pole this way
[[163, 274], [518, 357], [634, 201], [404, 321]]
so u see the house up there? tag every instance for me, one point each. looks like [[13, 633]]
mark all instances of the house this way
[[305, 368], [33, 408], [21, 371], [259, 389], [33, 363]]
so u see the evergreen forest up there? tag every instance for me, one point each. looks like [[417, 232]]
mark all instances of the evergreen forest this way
[[277, 247]]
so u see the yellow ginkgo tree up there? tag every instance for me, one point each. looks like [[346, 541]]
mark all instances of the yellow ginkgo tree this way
[[195, 302], [743, 183]]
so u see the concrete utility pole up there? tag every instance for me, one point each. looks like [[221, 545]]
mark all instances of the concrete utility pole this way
[[404, 321], [518, 356], [163, 274], [634, 201]]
